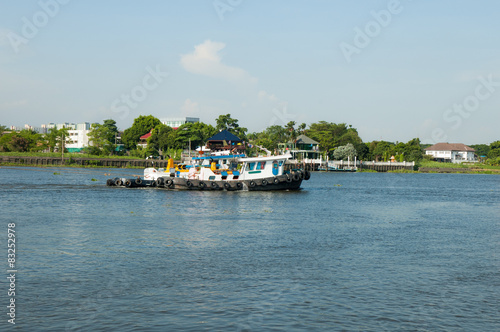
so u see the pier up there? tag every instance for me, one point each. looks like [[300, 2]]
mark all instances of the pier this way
[[309, 165], [341, 165], [68, 161]]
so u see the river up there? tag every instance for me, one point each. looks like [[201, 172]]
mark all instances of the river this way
[[348, 252]]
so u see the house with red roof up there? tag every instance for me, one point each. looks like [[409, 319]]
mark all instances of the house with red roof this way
[[143, 140], [451, 152]]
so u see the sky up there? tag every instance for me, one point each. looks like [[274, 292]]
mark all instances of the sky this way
[[393, 69]]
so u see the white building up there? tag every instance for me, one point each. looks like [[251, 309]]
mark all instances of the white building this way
[[451, 152], [177, 122], [78, 134]]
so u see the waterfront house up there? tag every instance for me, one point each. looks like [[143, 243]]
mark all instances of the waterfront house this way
[[143, 140], [451, 153], [226, 141], [303, 149]]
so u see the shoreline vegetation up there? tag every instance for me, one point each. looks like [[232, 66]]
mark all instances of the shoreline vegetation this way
[[149, 137], [94, 161]]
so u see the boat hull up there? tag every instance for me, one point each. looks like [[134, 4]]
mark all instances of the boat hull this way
[[267, 184]]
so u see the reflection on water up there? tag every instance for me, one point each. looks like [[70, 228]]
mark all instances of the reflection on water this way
[[348, 252]]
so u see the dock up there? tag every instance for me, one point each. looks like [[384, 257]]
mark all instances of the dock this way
[[68, 161], [341, 165]]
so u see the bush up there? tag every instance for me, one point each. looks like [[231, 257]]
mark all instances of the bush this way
[[493, 161]]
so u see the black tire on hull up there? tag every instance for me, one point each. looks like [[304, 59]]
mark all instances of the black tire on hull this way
[[160, 182]]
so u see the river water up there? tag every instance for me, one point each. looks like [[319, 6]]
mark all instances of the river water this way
[[348, 252]]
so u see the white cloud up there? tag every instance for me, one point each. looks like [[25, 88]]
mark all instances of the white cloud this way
[[206, 60], [264, 96], [190, 107]]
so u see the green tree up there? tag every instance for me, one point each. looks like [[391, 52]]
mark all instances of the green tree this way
[[290, 130], [101, 140], [381, 150], [112, 130], [494, 150], [142, 125], [331, 135], [52, 139], [481, 149], [3, 129], [344, 152], [363, 151], [270, 137], [225, 122], [63, 134], [22, 141]]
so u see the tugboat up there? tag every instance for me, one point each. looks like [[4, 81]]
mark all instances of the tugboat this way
[[237, 173]]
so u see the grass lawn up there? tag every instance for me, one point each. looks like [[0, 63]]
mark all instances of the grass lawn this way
[[66, 155]]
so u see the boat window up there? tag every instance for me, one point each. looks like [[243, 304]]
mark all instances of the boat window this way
[[261, 165], [280, 163], [251, 166]]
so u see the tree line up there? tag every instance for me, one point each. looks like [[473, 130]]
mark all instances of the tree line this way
[[336, 140]]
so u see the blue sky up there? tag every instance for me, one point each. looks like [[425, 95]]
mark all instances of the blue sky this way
[[394, 70]]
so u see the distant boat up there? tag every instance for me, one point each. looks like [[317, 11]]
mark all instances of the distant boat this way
[[337, 169]]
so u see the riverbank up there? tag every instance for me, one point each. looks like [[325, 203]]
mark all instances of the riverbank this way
[[78, 160], [18, 160], [473, 168]]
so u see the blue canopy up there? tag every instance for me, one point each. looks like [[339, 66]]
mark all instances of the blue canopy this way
[[224, 136]]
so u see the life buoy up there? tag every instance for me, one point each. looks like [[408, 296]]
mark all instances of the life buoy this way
[[202, 185], [307, 176], [296, 177], [227, 186], [276, 180], [251, 184], [189, 184], [138, 180], [264, 182]]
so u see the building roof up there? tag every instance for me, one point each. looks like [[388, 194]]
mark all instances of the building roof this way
[[224, 136], [303, 139], [145, 136], [450, 147]]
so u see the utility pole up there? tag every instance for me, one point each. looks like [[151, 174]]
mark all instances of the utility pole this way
[[62, 148]]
